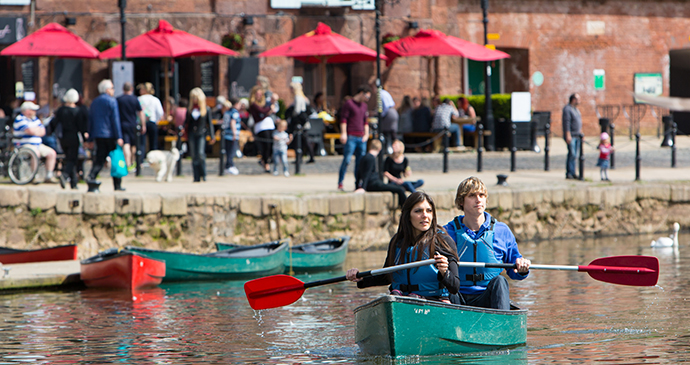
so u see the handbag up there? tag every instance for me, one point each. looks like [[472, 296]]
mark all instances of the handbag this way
[[118, 166]]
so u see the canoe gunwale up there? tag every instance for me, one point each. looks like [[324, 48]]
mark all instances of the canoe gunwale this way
[[434, 303]]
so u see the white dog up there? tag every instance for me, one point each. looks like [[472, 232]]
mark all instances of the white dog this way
[[163, 163]]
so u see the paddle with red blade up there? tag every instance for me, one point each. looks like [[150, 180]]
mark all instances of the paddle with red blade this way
[[279, 290], [623, 270]]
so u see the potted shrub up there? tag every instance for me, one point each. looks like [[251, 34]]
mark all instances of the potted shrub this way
[[105, 43], [233, 41], [388, 37]]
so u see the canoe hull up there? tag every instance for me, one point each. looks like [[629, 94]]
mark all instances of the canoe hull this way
[[60, 253], [313, 256], [236, 264], [124, 270], [402, 326]]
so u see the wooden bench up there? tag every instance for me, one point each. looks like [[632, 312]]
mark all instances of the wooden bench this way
[[331, 138]]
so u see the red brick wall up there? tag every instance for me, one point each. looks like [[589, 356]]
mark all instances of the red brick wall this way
[[638, 36]]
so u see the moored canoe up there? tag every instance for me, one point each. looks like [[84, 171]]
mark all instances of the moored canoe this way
[[121, 269], [238, 263], [312, 256], [59, 253], [401, 326]]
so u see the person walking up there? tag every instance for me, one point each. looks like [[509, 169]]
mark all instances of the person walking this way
[[232, 123], [154, 113], [389, 120], [131, 113], [105, 130], [198, 125], [72, 124], [298, 114], [354, 131], [572, 134], [261, 112]]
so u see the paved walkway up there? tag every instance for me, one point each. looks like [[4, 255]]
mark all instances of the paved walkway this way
[[321, 177]]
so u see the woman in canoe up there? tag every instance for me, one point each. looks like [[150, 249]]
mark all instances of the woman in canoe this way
[[418, 238], [480, 238]]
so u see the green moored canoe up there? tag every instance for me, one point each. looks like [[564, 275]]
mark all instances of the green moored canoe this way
[[238, 263], [401, 326], [313, 256]]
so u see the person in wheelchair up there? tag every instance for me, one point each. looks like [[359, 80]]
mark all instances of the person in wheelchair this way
[[28, 130]]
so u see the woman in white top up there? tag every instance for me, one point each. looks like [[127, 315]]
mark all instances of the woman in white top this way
[[153, 109]]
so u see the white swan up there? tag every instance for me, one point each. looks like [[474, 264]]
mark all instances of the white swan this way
[[670, 241]]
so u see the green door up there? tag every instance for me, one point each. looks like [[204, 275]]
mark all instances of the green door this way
[[475, 77]]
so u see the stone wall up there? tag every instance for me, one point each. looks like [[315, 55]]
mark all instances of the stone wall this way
[[31, 218]]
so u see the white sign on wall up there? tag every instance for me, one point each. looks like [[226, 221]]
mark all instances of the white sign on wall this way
[[520, 107]]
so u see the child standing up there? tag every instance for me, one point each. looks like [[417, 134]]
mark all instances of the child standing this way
[[280, 142], [605, 149], [231, 137]]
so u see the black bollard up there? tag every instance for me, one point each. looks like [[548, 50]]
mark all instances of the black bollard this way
[[613, 152], [139, 154], [668, 125], [223, 152], [582, 157], [547, 136], [513, 146], [179, 149], [674, 131], [480, 145], [446, 142], [638, 158], [298, 152]]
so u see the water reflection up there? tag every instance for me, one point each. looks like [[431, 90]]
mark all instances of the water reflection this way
[[572, 318]]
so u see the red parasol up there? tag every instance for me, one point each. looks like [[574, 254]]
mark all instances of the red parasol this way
[[323, 46], [166, 42], [53, 40], [433, 43]]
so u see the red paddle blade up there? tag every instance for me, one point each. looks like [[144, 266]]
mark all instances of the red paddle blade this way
[[624, 270], [273, 291]]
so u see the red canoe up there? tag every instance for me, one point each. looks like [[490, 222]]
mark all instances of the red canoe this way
[[121, 269], [15, 256]]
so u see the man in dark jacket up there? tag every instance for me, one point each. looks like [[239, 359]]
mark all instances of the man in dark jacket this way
[[105, 130], [572, 134], [368, 177]]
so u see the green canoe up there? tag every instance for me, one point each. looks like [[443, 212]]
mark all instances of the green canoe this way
[[400, 326], [238, 263], [313, 256]]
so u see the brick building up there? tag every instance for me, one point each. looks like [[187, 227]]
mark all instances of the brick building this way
[[563, 40]]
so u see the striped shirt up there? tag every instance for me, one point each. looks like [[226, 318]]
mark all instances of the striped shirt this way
[[21, 134]]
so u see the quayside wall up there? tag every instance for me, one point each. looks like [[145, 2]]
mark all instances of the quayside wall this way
[[32, 217]]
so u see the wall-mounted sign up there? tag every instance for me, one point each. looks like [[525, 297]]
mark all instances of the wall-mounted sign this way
[[520, 107], [648, 84], [599, 80], [11, 30]]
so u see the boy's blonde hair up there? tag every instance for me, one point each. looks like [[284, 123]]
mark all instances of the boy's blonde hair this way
[[469, 186], [281, 123]]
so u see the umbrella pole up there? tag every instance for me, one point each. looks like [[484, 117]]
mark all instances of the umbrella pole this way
[[166, 83], [324, 84], [437, 68], [428, 77], [51, 78]]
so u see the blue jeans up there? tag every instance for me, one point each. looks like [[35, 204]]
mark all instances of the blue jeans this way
[[281, 156], [573, 154], [455, 134], [358, 147], [230, 151], [412, 186]]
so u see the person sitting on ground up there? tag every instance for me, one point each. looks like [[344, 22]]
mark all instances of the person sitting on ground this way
[[368, 176], [442, 119], [28, 130], [480, 238], [396, 168], [418, 238]]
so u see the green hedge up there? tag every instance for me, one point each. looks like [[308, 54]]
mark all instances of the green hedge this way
[[500, 104]]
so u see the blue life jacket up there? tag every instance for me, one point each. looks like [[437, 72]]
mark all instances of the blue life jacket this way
[[476, 250], [422, 280]]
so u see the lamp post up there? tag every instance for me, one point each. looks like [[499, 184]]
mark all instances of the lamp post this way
[[123, 21], [379, 104], [488, 121]]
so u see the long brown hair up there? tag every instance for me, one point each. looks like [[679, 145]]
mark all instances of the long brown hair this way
[[405, 237]]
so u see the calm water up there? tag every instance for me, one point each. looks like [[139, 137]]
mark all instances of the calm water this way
[[572, 319]]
